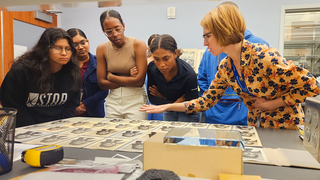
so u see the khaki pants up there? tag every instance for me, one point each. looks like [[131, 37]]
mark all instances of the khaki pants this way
[[125, 102]]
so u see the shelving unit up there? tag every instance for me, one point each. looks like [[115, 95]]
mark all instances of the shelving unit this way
[[305, 54], [302, 40]]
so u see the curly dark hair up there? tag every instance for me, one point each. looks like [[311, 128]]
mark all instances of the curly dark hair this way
[[38, 62]]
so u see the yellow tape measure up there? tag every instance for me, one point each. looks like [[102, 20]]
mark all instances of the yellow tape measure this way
[[43, 155]]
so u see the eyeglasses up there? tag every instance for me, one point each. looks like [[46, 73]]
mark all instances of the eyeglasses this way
[[82, 43], [59, 49], [109, 32], [205, 36]]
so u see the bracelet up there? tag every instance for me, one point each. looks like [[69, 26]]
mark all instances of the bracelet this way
[[107, 77]]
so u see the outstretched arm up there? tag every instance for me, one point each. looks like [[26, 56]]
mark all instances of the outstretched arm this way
[[180, 107]]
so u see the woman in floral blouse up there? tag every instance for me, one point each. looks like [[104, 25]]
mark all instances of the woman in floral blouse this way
[[271, 87]]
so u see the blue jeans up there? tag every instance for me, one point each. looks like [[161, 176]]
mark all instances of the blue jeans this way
[[180, 116]]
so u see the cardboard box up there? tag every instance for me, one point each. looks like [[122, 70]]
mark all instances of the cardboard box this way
[[238, 177], [194, 161]]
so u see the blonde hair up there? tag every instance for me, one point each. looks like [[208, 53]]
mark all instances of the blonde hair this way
[[226, 23]]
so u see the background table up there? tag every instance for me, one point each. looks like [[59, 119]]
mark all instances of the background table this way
[[270, 138]]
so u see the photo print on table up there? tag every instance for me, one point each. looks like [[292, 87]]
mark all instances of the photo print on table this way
[[34, 126], [243, 128], [101, 124], [147, 135], [23, 135], [197, 125], [250, 135], [254, 155], [144, 127], [121, 126], [129, 134], [137, 122], [108, 144], [51, 139], [163, 128], [56, 129], [102, 132], [84, 123], [133, 146], [252, 142], [55, 123], [58, 122], [247, 134], [117, 120], [177, 124], [220, 126], [79, 130], [62, 122], [80, 141], [155, 122]]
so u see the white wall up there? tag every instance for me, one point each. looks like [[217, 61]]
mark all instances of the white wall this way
[[262, 18], [19, 30]]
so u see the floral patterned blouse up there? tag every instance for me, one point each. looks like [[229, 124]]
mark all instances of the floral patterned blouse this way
[[266, 75]]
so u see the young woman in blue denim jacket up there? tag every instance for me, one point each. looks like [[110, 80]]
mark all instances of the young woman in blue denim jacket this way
[[92, 99]]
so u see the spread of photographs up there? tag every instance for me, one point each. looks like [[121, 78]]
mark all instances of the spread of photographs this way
[[114, 134]]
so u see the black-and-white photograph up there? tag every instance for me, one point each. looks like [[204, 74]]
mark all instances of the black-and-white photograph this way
[[24, 135], [51, 139], [129, 134], [190, 56], [220, 126], [254, 154], [133, 146], [56, 129], [197, 125], [80, 141], [102, 132], [108, 144], [165, 128]]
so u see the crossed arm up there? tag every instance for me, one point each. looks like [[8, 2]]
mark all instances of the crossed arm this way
[[115, 81]]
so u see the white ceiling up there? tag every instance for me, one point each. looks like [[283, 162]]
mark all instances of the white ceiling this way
[[31, 5]]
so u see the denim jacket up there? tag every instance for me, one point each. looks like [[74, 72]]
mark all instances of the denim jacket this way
[[93, 96]]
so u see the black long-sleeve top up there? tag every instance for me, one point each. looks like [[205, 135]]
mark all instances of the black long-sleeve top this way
[[184, 82], [19, 90]]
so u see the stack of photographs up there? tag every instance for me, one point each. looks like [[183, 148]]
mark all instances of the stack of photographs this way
[[250, 135]]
